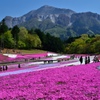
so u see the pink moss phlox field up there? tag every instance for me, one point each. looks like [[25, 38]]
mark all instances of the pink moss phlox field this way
[[3, 58], [81, 82], [27, 56], [20, 57], [30, 56]]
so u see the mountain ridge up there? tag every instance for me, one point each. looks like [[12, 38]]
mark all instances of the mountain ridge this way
[[59, 22]]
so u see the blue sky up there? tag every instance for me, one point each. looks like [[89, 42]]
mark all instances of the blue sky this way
[[16, 8]]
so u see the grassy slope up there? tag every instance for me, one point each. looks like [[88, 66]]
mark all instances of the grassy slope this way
[[10, 51]]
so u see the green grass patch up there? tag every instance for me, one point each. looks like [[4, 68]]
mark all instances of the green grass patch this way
[[16, 51], [32, 51]]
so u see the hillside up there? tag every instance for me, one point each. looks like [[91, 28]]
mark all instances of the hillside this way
[[59, 22]]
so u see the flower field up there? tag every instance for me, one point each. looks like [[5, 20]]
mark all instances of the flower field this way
[[80, 82]]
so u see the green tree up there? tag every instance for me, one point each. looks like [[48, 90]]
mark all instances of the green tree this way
[[37, 41], [15, 32], [78, 46], [3, 27], [41, 36], [33, 41], [84, 37], [8, 39], [21, 45], [97, 47], [53, 44], [23, 34], [31, 31]]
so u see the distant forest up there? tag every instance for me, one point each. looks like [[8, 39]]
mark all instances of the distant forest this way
[[22, 38]]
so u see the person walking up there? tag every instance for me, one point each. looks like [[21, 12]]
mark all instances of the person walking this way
[[94, 59], [19, 66], [81, 59], [6, 68], [88, 60]]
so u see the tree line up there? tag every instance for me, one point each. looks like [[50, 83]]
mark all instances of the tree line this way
[[85, 44], [22, 38]]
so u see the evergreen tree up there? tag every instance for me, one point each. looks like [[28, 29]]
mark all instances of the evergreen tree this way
[[15, 32], [41, 36], [3, 29]]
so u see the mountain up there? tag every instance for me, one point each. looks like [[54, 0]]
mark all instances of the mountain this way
[[59, 22]]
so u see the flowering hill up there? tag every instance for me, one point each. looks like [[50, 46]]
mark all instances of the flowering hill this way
[[81, 82]]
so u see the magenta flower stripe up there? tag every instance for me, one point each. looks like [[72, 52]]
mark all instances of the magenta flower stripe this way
[[81, 82]]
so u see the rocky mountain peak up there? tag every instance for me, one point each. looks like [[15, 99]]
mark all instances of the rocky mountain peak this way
[[53, 10], [64, 22], [43, 13]]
